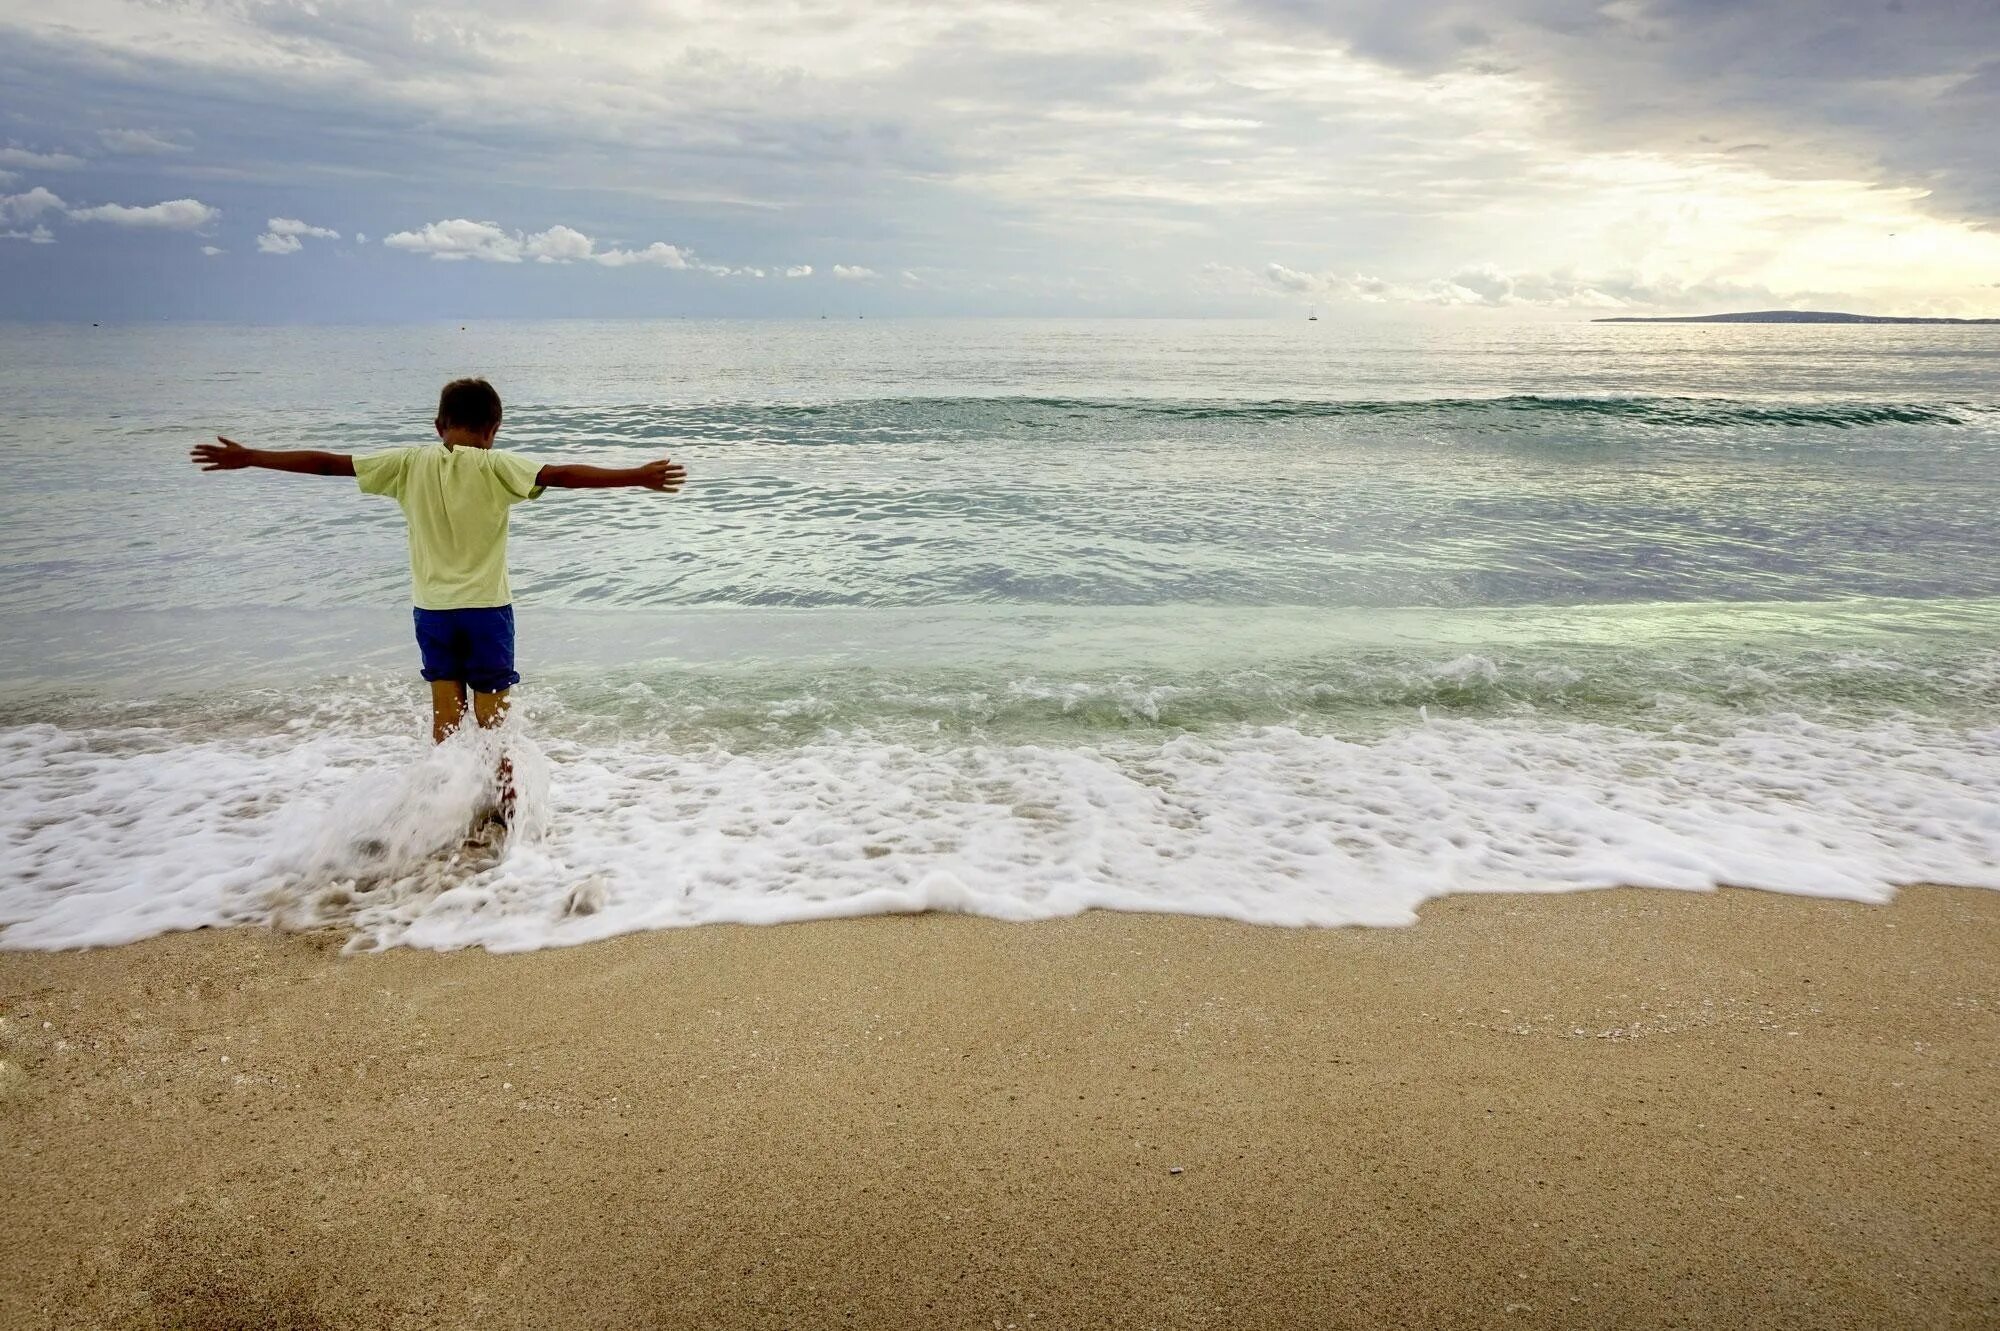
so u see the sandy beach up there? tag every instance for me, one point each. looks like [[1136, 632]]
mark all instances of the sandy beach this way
[[1614, 1109]]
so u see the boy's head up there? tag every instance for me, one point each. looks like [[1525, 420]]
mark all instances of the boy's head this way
[[468, 412]]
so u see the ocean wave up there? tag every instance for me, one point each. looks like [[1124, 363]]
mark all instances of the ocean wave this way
[[758, 691], [929, 417], [1664, 410], [120, 832], [1365, 692], [1338, 787]]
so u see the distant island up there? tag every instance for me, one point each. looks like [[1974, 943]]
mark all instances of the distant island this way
[[1787, 317]]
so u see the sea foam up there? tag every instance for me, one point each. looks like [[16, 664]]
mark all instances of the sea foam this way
[[118, 832]]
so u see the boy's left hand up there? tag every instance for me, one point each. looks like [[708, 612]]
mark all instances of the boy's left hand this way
[[223, 455]]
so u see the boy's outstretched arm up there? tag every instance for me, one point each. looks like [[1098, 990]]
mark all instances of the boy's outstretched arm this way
[[665, 474], [228, 455]]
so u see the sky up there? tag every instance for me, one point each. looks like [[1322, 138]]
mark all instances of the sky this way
[[302, 160]]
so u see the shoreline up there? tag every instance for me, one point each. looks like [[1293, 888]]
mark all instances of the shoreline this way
[[1612, 1108]]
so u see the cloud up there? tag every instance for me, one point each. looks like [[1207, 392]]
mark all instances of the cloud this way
[[1904, 91], [1490, 286], [173, 215], [212, 250], [1340, 286], [286, 235], [659, 254], [460, 238], [360, 238], [854, 273], [139, 142], [1487, 284], [559, 244], [1439, 152], [1470, 286], [12, 156], [799, 270], [1281, 276], [26, 207], [292, 226], [41, 235]]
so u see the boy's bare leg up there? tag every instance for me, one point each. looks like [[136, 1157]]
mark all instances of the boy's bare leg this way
[[490, 710], [447, 708]]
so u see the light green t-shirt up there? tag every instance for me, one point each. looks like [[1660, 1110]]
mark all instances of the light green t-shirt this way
[[455, 502]]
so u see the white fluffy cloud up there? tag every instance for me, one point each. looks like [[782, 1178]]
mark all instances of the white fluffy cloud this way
[[799, 270], [1290, 279], [41, 235], [13, 156], [461, 238], [559, 244], [286, 235], [292, 226], [458, 239], [212, 250], [30, 205], [659, 254], [173, 215], [145, 142], [853, 272], [39, 202]]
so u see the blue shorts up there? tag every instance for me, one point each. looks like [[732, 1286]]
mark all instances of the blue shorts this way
[[474, 647]]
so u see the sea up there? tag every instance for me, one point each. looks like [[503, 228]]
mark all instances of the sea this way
[[1298, 623]]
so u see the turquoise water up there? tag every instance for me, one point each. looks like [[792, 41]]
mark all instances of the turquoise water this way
[[1299, 623]]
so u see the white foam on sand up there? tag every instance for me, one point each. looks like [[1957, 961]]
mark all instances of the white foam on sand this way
[[116, 833]]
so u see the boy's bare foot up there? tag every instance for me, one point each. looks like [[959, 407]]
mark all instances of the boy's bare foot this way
[[486, 832], [504, 811]]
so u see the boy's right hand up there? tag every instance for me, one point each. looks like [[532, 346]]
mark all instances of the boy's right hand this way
[[665, 474]]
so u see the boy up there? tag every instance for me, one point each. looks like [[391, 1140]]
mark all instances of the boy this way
[[455, 495]]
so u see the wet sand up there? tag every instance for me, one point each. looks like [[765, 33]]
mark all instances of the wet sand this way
[[1615, 1109]]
